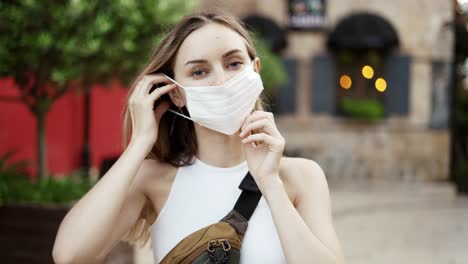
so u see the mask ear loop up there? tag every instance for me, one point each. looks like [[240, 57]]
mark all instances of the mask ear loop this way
[[173, 121]]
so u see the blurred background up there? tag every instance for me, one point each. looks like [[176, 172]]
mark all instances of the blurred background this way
[[374, 91]]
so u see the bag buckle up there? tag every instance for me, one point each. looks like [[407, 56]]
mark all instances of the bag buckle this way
[[211, 249], [211, 245], [223, 242]]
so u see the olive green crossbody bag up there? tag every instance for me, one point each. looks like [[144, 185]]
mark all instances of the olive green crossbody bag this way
[[220, 242]]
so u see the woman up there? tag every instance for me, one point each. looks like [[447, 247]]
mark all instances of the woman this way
[[188, 145]]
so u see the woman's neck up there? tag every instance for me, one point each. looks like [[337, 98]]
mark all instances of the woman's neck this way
[[217, 149]]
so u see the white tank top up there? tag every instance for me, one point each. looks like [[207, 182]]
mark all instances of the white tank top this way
[[202, 195]]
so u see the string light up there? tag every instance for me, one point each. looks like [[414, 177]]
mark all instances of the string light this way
[[380, 85], [367, 72], [345, 81]]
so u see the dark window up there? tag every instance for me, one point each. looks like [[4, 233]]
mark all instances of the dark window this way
[[360, 84]]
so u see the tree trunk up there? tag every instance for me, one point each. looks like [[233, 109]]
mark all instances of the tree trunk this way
[[41, 145], [86, 149]]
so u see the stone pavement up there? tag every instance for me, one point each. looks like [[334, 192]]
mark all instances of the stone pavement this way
[[404, 223], [401, 223]]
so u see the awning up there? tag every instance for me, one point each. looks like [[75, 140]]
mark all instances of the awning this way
[[268, 30], [363, 31]]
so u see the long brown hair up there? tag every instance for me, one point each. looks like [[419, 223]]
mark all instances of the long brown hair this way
[[178, 148]]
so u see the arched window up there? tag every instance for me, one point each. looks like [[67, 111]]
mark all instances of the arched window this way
[[360, 45]]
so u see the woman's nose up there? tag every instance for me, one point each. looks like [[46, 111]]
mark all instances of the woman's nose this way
[[219, 76]]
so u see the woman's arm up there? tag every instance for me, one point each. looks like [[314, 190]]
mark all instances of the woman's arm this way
[[306, 231], [96, 222], [305, 228]]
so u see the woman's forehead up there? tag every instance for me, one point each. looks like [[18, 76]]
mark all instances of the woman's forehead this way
[[210, 42]]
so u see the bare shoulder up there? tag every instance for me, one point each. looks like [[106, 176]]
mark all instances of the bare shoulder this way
[[298, 168], [301, 174]]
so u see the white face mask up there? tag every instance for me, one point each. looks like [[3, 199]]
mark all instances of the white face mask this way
[[224, 107]]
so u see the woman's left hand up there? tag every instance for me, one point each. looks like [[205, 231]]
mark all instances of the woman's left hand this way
[[264, 158]]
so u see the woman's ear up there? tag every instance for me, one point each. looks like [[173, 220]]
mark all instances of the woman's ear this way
[[257, 64], [176, 97]]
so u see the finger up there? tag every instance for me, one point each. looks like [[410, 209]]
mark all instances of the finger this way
[[134, 92], [257, 115], [264, 124], [260, 115], [140, 87], [149, 81], [274, 144], [158, 92], [260, 137], [268, 115]]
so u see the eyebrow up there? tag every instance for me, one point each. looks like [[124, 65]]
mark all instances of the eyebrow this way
[[204, 61]]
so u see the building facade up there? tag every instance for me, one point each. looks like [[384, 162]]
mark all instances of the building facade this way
[[367, 95]]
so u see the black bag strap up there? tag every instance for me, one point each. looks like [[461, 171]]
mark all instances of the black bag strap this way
[[249, 198]]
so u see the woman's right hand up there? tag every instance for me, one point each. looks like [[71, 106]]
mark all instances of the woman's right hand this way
[[145, 120]]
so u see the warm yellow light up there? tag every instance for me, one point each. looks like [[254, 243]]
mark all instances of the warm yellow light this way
[[367, 72], [345, 81], [380, 84]]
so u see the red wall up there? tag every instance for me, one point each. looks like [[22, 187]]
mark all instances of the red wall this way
[[64, 127]]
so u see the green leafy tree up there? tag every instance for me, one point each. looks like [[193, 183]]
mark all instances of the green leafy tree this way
[[272, 70], [49, 46]]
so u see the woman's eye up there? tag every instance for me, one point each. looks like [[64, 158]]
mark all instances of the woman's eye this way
[[198, 73], [235, 64]]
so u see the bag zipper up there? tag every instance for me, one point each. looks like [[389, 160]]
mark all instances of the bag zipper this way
[[199, 251]]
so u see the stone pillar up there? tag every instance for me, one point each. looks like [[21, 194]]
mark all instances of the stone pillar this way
[[420, 92], [304, 46], [302, 100]]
